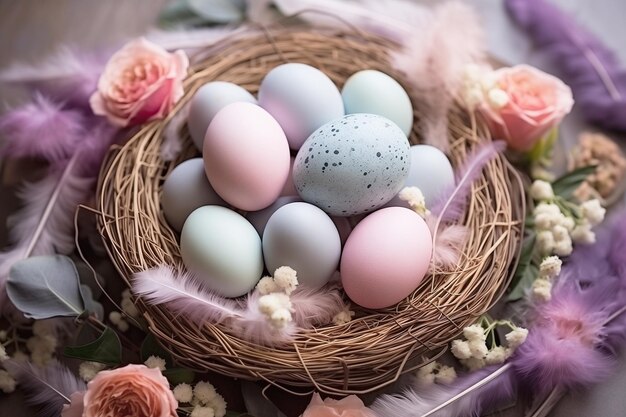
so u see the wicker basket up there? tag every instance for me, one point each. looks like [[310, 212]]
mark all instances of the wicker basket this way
[[377, 347]]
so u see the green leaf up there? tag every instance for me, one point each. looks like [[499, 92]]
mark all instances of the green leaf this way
[[105, 349], [151, 347], [527, 278], [525, 258], [177, 376], [565, 185], [46, 286]]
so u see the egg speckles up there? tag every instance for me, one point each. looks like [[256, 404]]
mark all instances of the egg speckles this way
[[352, 165]]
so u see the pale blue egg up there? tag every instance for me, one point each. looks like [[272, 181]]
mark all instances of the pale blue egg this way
[[371, 91], [352, 165]]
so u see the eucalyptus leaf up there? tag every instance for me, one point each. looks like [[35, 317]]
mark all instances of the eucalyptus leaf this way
[[565, 185], [528, 276], [177, 376], [46, 286], [105, 349], [256, 403], [523, 266], [217, 11]]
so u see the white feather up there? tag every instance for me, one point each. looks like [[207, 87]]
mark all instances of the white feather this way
[[313, 307]]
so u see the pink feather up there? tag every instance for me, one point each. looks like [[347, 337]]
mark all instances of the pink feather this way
[[46, 223], [184, 295], [448, 246], [41, 128], [313, 307], [435, 62], [47, 389]]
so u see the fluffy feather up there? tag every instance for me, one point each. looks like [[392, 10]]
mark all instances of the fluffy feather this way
[[184, 295], [313, 307], [66, 75], [94, 147], [172, 143], [41, 128], [476, 392], [435, 63], [46, 389], [450, 205], [588, 66], [448, 246], [45, 224], [393, 19]]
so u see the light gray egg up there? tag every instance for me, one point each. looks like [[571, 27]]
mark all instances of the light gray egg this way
[[303, 237], [185, 189], [352, 165]]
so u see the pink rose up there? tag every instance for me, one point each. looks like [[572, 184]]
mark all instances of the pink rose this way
[[134, 390], [141, 82], [524, 104], [350, 406]]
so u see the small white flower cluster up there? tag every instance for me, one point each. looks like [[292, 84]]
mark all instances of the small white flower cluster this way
[[274, 302], [549, 269], [127, 304], [43, 343], [88, 370], [116, 318], [415, 199], [592, 214], [435, 372], [155, 362], [474, 353], [480, 86], [7, 382], [343, 317], [205, 399]]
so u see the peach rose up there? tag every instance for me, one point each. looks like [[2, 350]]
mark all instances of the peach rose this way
[[134, 390], [141, 82], [350, 406], [523, 104]]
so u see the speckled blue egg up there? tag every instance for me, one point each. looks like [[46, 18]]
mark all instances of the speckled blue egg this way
[[352, 165]]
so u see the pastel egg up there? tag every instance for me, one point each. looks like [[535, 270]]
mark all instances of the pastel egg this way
[[386, 257], [352, 165], [207, 101], [371, 91], [430, 171], [223, 248], [185, 189], [289, 189], [259, 219], [303, 237], [246, 156], [301, 98]]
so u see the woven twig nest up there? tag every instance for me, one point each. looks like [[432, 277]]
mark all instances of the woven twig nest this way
[[378, 346]]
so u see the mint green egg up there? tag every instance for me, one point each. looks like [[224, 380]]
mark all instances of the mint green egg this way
[[374, 92]]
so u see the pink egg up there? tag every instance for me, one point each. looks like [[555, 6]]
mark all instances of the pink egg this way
[[246, 156], [386, 257]]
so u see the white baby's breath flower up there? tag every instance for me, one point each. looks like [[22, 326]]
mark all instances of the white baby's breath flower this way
[[343, 317], [568, 223], [560, 233], [445, 375], [582, 233], [275, 301], [122, 325], [200, 411], [461, 349], [88, 370], [204, 392], [280, 318], [7, 383], [563, 247], [183, 393], [547, 208], [543, 221], [219, 406], [155, 362], [129, 307], [115, 317], [3, 354], [496, 355], [550, 267], [3, 335], [41, 358], [497, 98], [474, 332], [425, 380], [266, 285], [545, 242], [473, 364], [593, 211], [473, 96], [286, 279], [415, 199], [478, 348], [515, 338], [488, 79], [19, 356], [541, 190], [541, 290]]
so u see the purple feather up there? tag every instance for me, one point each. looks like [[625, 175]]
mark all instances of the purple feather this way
[[42, 129], [47, 389], [476, 394], [450, 205], [589, 67]]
